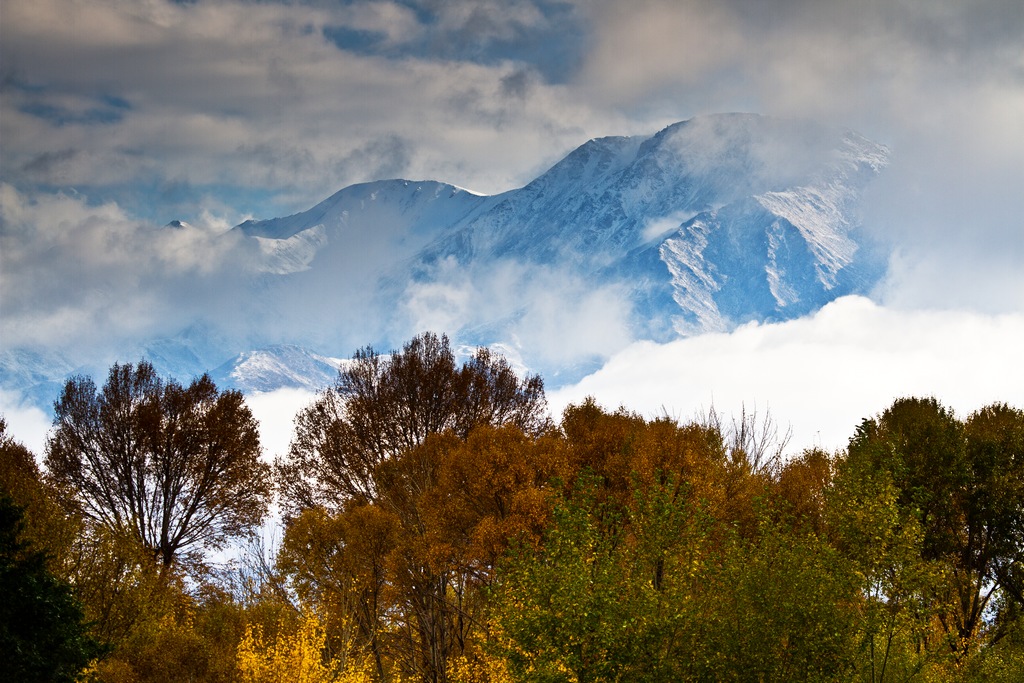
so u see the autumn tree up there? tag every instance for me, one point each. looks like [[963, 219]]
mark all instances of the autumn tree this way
[[362, 486], [176, 469], [752, 438], [409, 569], [339, 564], [800, 487], [47, 527], [116, 585], [383, 406], [19, 476], [492, 489]]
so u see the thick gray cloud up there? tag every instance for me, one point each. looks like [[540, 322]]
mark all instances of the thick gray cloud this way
[[260, 96], [117, 116]]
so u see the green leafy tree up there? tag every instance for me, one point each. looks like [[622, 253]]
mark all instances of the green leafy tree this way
[[782, 610], [655, 592], [995, 508], [897, 635], [963, 483], [175, 468], [569, 610]]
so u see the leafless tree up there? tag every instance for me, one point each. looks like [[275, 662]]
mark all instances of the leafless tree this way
[[750, 437], [177, 469]]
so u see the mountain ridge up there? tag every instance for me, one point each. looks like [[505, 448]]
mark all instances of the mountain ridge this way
[[707, 223]]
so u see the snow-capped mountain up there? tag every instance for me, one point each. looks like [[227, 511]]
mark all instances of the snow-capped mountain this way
[[711, 221], [706, 224], [35, 376], [276, 367], [396, 217]]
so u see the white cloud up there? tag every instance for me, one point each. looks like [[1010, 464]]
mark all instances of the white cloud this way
[[822, 374], [275, 411], [974, 276], [553, 318], [75, 275], [26, 423]]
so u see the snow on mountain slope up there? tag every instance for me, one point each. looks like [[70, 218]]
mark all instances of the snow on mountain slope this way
[[738, 207], [693, 280], [822, 210], [36, 376], [275, 367], [703, 225], [386, 220], [291, 254]]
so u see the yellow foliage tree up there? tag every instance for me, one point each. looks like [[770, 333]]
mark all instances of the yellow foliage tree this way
[[296, 657]]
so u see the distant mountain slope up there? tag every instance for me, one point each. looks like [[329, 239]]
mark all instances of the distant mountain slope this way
[[399, 217], [706, 224], [712, 221], [276, 367]]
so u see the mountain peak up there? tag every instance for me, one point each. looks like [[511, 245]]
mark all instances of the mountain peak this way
[[705, 224], [743, 216]]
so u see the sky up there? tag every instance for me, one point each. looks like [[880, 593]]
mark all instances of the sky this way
[[119, 116]]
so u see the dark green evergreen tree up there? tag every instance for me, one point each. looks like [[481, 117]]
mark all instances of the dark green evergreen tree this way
[[42, 634]]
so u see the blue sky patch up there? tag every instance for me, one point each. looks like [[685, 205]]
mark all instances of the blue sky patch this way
[[107, 109], [553, 48], [355, 40]]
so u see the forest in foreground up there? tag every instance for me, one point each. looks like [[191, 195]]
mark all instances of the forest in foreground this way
[[439, 526]]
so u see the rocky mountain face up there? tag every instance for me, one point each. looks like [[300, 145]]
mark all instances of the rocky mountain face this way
[[708, 223]]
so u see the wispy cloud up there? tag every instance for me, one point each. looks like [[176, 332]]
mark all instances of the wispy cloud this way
[[76, 275], [553, 319]]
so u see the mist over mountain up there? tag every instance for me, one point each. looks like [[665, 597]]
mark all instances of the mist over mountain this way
[[704, 225]]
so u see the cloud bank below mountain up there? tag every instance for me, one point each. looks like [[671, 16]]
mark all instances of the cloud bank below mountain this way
[[821, 374]]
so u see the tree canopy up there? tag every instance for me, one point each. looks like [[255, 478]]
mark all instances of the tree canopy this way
[[384, 406], [176, 468], [962, 481], [43, 634], [440, 528]]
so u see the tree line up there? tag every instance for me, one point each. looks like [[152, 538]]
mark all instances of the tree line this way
[[439, 526]]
